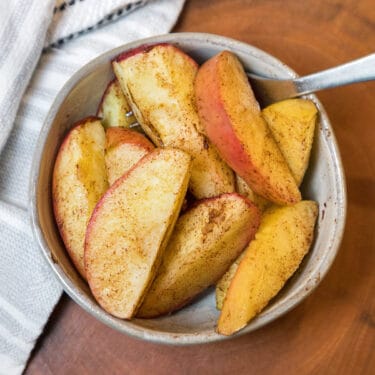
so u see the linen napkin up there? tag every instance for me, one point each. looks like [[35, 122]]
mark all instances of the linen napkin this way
[[72, 33]]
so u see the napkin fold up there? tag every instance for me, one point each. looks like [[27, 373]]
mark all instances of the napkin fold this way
[[74, 32]]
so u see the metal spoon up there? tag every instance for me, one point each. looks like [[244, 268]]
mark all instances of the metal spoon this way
[[270, 90]]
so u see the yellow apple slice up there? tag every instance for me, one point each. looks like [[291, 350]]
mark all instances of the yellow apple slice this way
[[284, 237], [232, 120], [113, 107], [292, 123], [158, 82], [130, 228], [205, 241], [124, 148], [79, 181]]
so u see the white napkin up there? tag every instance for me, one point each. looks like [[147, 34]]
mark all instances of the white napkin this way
[[28, 289]]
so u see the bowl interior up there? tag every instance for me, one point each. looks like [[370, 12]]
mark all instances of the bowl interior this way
[[323, 183]]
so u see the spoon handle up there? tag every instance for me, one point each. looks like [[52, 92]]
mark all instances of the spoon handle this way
[[359, 70]]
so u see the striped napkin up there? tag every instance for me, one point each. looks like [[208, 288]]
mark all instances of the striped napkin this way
[[71, 33]]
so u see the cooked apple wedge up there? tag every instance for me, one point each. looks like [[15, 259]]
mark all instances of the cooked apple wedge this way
[[232, 120], [292, 123], [284, 237], [205, 241], [124, 148], [79, 181], [130, 227], [113, 107], [158, 82]]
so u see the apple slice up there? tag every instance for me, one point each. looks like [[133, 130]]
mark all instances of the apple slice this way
[[130, 228], [233, 122], [113, 107], [124, 148], [158, 82], [292, 123], [284, 237], [206, 240], [79, 180]]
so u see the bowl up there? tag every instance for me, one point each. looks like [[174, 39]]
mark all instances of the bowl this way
[[324, 183]]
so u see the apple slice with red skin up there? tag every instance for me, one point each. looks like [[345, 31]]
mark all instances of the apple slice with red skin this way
[[130, 228], [232, 120], [79, 180]]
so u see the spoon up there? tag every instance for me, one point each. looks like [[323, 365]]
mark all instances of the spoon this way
[[270, 90]]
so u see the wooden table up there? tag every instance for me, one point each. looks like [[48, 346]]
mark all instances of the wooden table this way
[[332, 331]]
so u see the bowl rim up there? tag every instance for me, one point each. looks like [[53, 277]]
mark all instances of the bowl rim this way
[[205, 336]]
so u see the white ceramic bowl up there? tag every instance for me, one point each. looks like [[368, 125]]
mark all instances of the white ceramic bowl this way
[[323, 183]]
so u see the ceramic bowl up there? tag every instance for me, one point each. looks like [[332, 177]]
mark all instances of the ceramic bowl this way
[[196, 323]]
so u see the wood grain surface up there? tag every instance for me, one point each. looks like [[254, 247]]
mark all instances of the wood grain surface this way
[[333, 330]]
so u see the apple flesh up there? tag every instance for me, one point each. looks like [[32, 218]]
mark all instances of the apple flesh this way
[[232, 120], [124, 148], [79, 180], [130, 228], [204, 243], [158, 82]]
